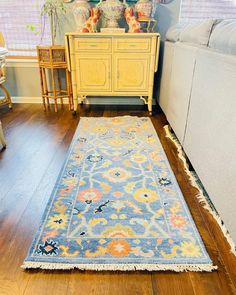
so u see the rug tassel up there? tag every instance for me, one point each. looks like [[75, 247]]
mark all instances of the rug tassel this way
[[122, 267], [201, 197]]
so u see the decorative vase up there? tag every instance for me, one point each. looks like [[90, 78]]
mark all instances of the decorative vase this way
[[144, 8], [81, 11], [112, 10]]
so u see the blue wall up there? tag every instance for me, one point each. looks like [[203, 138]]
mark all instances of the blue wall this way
[[167, 15]]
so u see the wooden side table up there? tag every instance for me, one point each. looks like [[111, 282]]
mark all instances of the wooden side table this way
[[52, 59]]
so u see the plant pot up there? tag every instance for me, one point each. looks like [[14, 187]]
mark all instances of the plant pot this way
[[81, 11], [51, 54]]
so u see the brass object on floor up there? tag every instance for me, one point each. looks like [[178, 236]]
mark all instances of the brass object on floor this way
[[6, 100], [2, 139]]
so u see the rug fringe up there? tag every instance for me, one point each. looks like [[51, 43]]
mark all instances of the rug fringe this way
[[200, 196], [121, 267]]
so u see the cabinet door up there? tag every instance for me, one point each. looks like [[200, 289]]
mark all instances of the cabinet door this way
[[131, 72], [93, 73]]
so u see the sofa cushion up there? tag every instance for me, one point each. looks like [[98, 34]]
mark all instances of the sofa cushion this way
[[173, 33], [223, 37], [197, 33]]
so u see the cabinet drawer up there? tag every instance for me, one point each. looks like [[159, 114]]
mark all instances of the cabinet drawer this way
[[132, 45], [92, 44]]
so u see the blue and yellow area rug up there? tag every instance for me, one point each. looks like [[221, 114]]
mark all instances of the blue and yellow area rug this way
[[117, 206]]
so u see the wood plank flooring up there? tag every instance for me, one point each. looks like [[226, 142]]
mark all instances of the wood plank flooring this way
[[37, 146]]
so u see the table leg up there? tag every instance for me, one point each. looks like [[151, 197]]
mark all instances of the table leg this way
[[59, 85], [42, 88], [45, 85], [54, 90]]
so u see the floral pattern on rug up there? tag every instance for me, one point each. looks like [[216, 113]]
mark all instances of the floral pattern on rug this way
[[117, 202]]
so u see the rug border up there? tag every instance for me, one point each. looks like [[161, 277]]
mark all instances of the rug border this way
[[51, 197], [121, 267], [202, 199]]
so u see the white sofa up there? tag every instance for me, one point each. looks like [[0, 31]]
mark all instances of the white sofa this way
[[198, 96]]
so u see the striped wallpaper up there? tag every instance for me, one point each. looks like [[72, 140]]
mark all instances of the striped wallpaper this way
[[193, 10]]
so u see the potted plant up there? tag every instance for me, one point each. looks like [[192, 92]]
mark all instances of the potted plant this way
[[52, 9]]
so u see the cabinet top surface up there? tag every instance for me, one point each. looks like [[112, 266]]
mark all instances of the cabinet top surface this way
[[112, 34]]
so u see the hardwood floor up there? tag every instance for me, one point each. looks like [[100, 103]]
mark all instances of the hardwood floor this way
[[37, 145]]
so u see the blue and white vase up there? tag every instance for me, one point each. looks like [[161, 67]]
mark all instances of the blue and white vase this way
[[81, 11], [112, 10]]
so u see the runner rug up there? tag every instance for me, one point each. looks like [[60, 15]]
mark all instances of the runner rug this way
[[117, 206]]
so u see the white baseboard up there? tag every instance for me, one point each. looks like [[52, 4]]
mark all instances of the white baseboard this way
[[24, 99], [92, 100]]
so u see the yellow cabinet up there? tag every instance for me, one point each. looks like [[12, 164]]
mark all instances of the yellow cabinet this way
[[105, 64], [93, 73], [131, 72]]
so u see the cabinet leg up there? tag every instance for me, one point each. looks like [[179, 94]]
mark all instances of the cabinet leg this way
[[75, 104], [150, 105], [82, 99], [68, 89]]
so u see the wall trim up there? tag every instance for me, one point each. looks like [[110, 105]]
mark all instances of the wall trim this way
[[92, 100], [22, 63]]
